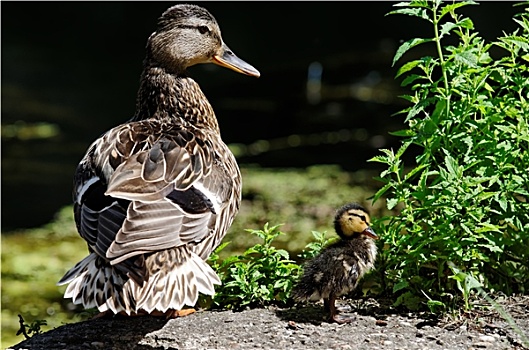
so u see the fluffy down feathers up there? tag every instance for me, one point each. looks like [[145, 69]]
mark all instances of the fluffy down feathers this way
[[339, 266]]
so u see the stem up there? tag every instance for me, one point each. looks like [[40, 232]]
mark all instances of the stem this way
[[22, 329], [441, 59]]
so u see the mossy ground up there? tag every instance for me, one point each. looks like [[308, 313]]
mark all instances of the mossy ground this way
[[302, 200]]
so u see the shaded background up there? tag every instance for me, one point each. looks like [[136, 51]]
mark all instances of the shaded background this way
[[70, 71]]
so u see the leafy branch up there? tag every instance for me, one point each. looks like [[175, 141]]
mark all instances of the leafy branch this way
[[464, 199]]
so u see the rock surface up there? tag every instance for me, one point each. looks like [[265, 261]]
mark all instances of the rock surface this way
[[374, 327]]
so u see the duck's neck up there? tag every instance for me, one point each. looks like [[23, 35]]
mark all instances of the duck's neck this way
[[173, 97], [365, 249]]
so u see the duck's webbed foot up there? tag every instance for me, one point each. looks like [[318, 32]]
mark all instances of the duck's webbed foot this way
[[104, 314], [179, 313]]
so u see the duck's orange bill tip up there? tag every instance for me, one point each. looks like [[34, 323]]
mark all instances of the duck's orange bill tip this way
[[370, 233], [235, 63]]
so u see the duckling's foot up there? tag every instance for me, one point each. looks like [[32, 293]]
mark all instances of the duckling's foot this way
[[341, 319]]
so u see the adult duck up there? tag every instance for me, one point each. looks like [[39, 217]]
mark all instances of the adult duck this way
[[153, 197]]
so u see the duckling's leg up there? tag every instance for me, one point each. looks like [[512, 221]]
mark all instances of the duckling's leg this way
[[330, 306], [326, 305]]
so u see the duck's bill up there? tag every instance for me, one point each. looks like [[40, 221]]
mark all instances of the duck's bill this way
[[226, 58], [370, 233]]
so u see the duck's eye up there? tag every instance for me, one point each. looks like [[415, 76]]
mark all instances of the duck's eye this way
[[203, 29]]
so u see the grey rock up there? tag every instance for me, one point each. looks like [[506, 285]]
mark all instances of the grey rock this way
[[271, 328]]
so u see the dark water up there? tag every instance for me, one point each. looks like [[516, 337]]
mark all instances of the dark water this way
[[75, 67]]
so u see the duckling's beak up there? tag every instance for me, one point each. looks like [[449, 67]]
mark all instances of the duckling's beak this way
[[370, 233], [226, 58]]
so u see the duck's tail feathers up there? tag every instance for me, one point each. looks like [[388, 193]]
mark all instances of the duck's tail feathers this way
[[94, 283], [175, 283], [176, 277]]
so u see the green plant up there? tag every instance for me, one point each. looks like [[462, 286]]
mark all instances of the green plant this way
[[467, 283], [464, 198], [262, 275], [314, 248], [27, 329]]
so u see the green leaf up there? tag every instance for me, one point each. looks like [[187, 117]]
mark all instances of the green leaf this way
[[379, 159], [400, 285], [409, 98], [407, 46], [283, 253], [408, 299], [524, 24], [492, 248], [415, 12], [382, 191], [392, 203], [502, 201], [485, 195], [446, 28], [407, 67], [414, 171], [452, 166], [518, 41], [466, 23], [467, 58], [487, 227], [402, 133], [435, 305], [440, 108], [318, 236], [411, 79], [451, 7], [472, 283], [221, 247]]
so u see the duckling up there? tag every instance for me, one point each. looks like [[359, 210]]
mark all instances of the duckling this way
[[153, 197], [338, 268]]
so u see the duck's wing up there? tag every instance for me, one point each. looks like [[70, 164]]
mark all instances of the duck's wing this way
[[147, 186]]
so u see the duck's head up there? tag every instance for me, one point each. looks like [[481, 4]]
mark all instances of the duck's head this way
[[352, 221], [187, 35]]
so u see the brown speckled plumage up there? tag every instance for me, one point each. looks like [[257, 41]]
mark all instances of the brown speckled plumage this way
[[156, 195], [339, 266]]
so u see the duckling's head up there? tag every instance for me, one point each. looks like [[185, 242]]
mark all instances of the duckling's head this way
[[187, 35], [352, 221]]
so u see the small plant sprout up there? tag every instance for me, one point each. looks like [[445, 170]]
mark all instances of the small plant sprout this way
[[28, 329], [261, 276]]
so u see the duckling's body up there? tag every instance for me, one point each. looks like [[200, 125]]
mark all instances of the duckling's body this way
[[156, 195], [338, 268]]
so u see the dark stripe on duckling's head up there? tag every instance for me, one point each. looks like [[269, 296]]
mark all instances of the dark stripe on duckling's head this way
[[352, 220]]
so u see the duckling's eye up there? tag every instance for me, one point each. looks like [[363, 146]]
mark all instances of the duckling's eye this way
[[203, 29]]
